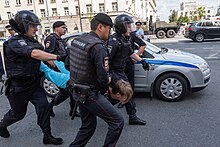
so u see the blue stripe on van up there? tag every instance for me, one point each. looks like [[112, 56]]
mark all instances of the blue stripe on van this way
[[174, 63]]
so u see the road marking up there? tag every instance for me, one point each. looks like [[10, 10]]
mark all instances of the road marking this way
[[211, 57], [208, 48], [190, 48]]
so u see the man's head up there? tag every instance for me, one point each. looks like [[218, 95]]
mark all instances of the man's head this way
[[138, 24], [10, 30], [121, 90], [60, 28], [123, 24], [101, 24], [25, 22]]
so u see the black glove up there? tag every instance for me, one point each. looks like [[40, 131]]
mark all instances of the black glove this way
[[145, 65], [61, 57]]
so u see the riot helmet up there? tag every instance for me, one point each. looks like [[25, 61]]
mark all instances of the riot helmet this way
[[121, 23], [22, 20]]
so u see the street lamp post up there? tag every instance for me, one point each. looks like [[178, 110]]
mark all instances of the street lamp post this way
[[80, 19], [48, 17]]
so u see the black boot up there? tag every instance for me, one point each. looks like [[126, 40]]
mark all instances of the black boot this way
[[49, 139], [134, 120], [4, 131]]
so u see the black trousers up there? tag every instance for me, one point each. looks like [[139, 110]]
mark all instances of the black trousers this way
[[130, 106], [19, 97], [97, 105], [62, 96]]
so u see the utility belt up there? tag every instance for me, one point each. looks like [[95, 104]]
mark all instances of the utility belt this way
[[79, 92]]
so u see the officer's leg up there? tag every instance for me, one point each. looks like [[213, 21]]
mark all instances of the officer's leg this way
[[98, 105], [18, 103], [88, 126], [59, 98], [39, 100], [131, 106]]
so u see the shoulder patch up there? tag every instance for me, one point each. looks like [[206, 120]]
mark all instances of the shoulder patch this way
[[47, 44], [22, 42], [114, 39], [105, 63]]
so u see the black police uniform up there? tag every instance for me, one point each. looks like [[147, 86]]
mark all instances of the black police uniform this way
[[120, 49], [2, 71], [129, 68], [23, 84], [55, 44], [89, 67]]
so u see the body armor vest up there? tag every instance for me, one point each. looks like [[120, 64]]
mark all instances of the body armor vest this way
[[122, 53], [82, 70], [21, 67], [60, 45]]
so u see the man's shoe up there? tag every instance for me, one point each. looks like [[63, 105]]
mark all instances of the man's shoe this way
[[49, 139], [4, 132], [134, 120]]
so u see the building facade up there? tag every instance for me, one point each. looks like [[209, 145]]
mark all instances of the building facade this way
[[189, 9], [76, 13]]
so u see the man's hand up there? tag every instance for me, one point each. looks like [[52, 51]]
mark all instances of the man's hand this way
[[145, 65], [61, 57], [51, 63]]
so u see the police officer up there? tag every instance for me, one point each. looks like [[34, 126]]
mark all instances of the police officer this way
[[89, 68], [22, 54], [120, 50], [55, 44], [10, 31], [129, 68]]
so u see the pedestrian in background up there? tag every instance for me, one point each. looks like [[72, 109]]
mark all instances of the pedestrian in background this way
[[10, 31], [139, 30]]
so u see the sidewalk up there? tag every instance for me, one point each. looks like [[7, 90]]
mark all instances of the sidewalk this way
[[154, 39]]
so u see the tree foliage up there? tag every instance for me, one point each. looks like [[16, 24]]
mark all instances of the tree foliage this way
[[173, 16], [201, 12]]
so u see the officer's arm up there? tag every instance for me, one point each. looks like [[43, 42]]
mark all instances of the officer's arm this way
[[41, 55], [136, 57], [141, 44]]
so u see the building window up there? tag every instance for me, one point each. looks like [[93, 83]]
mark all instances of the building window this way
[[52, 1], [29, 1], [54, 11], [41, 1], [64, 1], [66, 10], [101, 7], [115, 6], [208, 11], [89, 8], [6, 2], [77, 10], [42, 12], [18, 2], [9, 15]]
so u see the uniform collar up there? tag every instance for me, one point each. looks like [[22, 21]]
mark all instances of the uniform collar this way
[[94, 34]]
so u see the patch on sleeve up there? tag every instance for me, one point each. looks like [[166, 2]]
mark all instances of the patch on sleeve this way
[[105, 63], [22, 42], [47, 44]]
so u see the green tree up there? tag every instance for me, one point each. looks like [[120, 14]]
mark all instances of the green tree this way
[[201, 12], [173, 16]]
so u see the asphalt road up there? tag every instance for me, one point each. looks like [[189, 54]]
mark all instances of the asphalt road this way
[[193, 122]]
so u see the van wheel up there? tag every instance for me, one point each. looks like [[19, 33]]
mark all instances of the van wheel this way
[[199, 37], [171, 33], [171, 87], [160, 34]]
